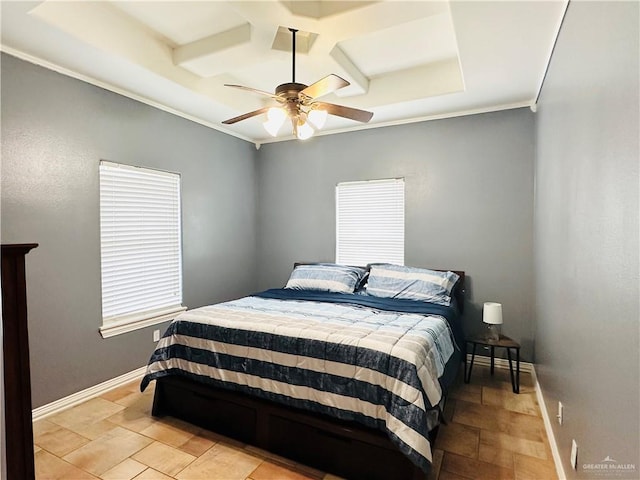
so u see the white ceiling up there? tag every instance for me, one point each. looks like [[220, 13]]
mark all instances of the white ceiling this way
[[406, 60]]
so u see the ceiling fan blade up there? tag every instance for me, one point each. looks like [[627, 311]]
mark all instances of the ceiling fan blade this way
[[346, 112], [245, 116], [327, 85], [254, 90]]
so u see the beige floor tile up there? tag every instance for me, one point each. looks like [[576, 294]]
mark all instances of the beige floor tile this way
[[259, 452], [135, 400], [196, 445], [221, 462], [503, 441], [132, 419], [87, 413], [521, 425], [522, 403], [458, 439], [121, 392], [169, 431], [60, 441], [504, 458], [271, 471], [50, 467], [204, 433], [151, 474], [107, 451], [94, 430], [43, 426], [475, 469], [530, 468], [164, 458], [77, 474], [477, 415], [501, 379], [489, 417], [125, 470], [138, 401], [467, 392]]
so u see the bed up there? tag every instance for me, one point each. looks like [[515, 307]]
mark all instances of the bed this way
[[345, 371]]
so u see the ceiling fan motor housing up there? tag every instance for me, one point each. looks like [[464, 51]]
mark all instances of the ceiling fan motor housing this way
[[289, 90], [289, 93]]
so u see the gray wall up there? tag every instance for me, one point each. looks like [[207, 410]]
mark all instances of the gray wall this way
[[586, 235], [469, 203], [54, 132]]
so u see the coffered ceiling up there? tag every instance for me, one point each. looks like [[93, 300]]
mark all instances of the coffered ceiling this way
[[405, 60]]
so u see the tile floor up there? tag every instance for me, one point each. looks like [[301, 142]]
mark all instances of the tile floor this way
[[492, 434]]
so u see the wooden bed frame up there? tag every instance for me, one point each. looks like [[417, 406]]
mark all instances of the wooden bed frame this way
[[342, 448]]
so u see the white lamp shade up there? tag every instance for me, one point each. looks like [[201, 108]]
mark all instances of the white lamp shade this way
[[492, 313], [304, 131], [317, 118], [276, 117]]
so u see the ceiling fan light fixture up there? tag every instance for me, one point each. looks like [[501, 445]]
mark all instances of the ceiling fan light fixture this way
[[298, 103], [303, 130], [317, 117], [275, 118]]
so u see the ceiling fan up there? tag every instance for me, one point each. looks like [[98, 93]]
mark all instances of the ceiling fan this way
[[298, 102]]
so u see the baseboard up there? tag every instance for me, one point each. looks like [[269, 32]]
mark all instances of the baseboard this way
[[87, 394], [547, 426]]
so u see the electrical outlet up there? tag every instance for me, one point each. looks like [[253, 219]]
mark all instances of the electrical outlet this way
[[560, 412], [574, 454], [156, 335]]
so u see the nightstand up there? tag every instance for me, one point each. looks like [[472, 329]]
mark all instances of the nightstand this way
[[503, 342]]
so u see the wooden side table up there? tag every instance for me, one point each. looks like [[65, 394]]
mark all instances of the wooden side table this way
[[504, 342]]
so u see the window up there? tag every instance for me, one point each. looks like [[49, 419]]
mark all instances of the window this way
[[141, 252], [370, 222]]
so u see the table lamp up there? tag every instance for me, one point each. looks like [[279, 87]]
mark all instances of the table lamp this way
[[492, 316]]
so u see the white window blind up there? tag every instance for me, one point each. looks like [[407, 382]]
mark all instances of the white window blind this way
[[141, 252], [370, 222]]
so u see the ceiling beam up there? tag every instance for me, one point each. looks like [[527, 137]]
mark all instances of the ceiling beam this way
[[212, 44]]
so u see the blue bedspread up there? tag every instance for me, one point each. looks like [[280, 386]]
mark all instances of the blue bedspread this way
[[354, 357]]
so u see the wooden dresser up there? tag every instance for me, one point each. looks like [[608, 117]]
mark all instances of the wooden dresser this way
[[17, 379]]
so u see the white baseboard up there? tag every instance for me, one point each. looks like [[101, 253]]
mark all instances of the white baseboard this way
[[87, 394], [547, 426]]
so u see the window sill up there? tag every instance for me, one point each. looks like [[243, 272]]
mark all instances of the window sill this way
[[129, 323]]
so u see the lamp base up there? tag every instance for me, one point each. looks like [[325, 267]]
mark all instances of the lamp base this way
[[493, 332]]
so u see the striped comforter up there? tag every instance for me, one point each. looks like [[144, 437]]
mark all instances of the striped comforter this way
[[350, 361]]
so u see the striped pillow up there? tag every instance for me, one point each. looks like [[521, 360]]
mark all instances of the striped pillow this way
[[329, 277], [396, 281]]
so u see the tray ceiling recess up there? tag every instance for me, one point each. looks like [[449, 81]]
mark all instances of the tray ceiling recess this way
[[404, 61]]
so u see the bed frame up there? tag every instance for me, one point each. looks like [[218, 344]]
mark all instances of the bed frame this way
[[342, 448]]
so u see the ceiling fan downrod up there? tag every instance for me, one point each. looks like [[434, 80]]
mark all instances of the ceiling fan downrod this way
[[293, 51]]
